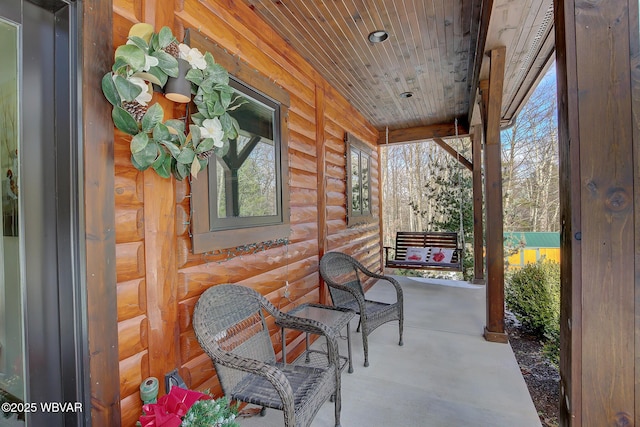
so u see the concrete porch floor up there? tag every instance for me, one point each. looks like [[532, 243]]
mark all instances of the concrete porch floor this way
[[446, 374]]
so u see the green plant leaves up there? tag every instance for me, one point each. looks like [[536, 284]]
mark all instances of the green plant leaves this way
[[229, 126], [118, 64], [180, 171], [140, 43], [165, 146], [127, 90], [109, 90], [123, 121], [132, 55], [162, 165], [218, 73], [160, 75], [177, 125], [205, 145], [197, 118], [165, 37], [152, 117], [161, 133], [166, 62], [148, 155], [194, 131], [139, 142], [173, 149], [195, 76], [186, 156]]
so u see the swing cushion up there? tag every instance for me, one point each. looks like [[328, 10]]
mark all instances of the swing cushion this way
[[425, 250]]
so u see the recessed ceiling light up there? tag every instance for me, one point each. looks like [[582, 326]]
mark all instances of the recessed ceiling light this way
[[378, 36], [406, 94]]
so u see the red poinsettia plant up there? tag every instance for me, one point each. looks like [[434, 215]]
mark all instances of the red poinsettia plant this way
[[182, 407], [170, 409]]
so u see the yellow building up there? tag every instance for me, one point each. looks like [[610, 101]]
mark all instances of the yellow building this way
[[522, 248]]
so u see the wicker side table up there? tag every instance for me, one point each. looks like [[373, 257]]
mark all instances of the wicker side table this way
[[334, 317]]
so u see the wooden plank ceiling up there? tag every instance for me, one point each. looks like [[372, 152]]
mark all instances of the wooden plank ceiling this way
[[431, 52]]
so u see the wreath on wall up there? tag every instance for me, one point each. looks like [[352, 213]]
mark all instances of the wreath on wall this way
[[151, 62]]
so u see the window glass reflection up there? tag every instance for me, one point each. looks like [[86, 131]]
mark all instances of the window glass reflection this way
[[11, 324]]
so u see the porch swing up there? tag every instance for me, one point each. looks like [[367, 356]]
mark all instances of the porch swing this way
[[429, 250]]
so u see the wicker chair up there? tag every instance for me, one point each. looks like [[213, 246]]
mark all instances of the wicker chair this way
[[230, 325], [342, 274]]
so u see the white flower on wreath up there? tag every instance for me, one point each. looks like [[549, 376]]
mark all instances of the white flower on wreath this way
[[193, 56], [212, 128], [145, 96]]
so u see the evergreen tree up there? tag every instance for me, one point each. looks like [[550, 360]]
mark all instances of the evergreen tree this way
[[450, 186]]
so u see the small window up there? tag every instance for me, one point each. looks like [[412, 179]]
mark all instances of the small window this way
[[242, 197], [358, 181], [245, 185]]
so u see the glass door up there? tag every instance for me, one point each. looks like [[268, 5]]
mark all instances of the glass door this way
[[12, 375], [43, 347]]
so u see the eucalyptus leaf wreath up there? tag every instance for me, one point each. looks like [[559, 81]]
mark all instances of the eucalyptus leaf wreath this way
[[150, 59]]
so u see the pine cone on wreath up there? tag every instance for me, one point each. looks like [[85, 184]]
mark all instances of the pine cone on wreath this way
[[136, 109], [205, 155], [173, 50]]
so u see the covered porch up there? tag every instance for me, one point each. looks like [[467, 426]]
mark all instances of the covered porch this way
[[446, 374], [112, 245]]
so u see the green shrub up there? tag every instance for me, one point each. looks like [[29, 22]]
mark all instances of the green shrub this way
[[551, 348], [532, 294]]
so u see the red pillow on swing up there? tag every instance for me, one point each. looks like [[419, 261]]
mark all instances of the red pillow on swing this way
[[441, 255]]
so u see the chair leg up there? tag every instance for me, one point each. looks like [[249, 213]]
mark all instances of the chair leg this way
[[365, 344], [338, 398], [400, 327]]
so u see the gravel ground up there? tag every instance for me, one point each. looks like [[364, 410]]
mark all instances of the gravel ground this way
[[542, 377]]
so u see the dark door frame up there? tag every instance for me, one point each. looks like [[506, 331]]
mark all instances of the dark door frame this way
[[52, 218]]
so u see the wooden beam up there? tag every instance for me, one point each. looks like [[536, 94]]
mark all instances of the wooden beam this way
[[494, 330], [421, 133], [99, 217], [481, 41], [452, 151], [478, 235]]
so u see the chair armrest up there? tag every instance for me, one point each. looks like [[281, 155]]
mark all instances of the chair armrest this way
[[389, 279], [257, 367]]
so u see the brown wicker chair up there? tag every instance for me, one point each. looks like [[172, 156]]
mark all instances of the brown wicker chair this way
[[230, 325], [342, 274]]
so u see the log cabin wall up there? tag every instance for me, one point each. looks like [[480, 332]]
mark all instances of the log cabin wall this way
[[159, 279]]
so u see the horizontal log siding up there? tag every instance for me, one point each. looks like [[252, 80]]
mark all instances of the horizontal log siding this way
[[235, 28]]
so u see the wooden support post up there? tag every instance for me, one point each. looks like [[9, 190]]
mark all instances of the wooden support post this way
[[599, 147], [478, 236], [161, 270], [494, 330], [322, 188], [99, 191]]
